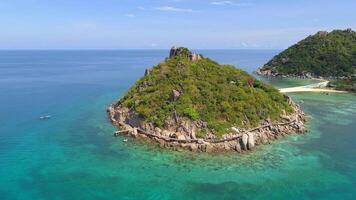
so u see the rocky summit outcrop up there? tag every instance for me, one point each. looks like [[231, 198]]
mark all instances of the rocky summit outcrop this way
[[178, 51], [202, 106]]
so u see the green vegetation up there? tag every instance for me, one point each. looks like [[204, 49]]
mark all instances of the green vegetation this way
[[323, 54], [221, 95], [348, 84]]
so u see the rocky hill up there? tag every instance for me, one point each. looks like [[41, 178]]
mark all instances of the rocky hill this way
[[192, 100], [323, 55]]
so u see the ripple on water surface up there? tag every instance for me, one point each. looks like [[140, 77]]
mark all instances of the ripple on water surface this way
[[75, 156]]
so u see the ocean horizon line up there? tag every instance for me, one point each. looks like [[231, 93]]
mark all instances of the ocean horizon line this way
[[135, 49]]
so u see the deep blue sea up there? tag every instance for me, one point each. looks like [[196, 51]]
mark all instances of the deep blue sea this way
[[74, 155]]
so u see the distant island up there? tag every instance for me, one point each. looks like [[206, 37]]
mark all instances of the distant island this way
[[191, 102], [325, 55]]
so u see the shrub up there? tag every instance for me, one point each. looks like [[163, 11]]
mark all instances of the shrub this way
[[221, 95]]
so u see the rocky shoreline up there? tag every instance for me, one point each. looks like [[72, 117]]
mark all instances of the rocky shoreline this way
[[180, 133], [304, 75]]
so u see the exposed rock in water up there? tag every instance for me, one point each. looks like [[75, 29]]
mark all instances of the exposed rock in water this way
[[251, 140], [183, 132], [244, 141]]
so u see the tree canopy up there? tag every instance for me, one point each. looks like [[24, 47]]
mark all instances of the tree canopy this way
[[221, 95], [323, 54]]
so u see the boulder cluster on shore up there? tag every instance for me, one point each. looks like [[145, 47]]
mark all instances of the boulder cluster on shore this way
[[303, 75], [181, 134], [192, 102]]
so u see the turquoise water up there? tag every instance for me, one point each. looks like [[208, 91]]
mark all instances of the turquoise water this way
[[74, 155]]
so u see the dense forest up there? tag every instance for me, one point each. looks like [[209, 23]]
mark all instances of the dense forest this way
[[328, 55], [202, 89]]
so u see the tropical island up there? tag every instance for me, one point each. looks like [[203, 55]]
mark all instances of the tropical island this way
[[191, 102], [325, 55]]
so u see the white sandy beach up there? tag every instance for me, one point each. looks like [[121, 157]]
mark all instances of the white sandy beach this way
[[318, 87]]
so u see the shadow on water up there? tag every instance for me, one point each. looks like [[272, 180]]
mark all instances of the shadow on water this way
[[78, 185], [266, 190], [335, 118], [5, 195], [75, 156]]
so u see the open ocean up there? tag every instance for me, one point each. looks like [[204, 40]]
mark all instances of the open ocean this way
[[74, 155]]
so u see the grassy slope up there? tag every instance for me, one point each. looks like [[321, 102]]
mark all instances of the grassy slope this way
[[219, 94]]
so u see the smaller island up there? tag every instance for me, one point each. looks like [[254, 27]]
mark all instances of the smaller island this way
[[191, 102], [329, 56]]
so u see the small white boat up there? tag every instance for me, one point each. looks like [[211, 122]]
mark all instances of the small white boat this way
[[45, 117], [125, 140]]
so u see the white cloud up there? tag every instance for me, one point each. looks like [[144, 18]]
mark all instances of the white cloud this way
[[227, 3], [249, 45], [173, 9], [131, 15], [221, 3]]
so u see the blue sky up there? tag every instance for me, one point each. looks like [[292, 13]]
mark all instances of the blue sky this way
[[203, 24]]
